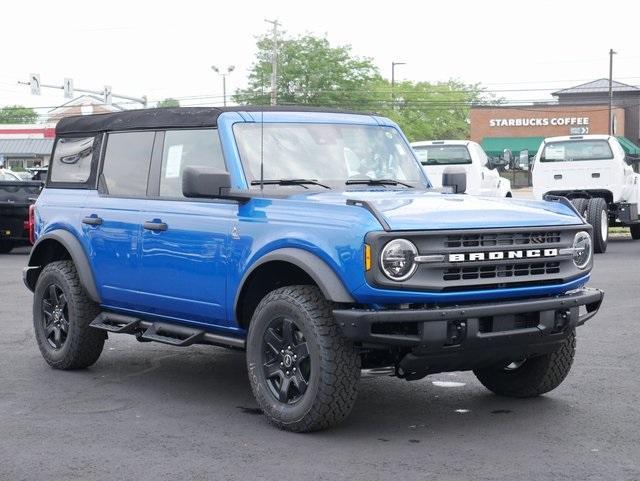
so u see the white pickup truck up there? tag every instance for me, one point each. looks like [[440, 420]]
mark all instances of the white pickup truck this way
[[436, 156], [591, 171]]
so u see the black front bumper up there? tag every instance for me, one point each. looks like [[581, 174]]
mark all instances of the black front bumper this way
[[468, 336]]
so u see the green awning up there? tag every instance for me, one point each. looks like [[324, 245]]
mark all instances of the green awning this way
[[494, 146], [629, 147]]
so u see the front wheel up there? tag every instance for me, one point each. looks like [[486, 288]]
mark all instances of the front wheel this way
[[303, 372], [635, 231], [598, 217], [530, 377]]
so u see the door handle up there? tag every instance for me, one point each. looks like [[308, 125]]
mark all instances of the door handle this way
[[595, 175], [92, 220], [155, 226], [557, 176]]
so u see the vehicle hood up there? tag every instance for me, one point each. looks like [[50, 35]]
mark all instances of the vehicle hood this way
[[422, 210]]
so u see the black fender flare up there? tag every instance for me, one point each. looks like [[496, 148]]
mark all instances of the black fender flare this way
[[328, 281], [78, 256]]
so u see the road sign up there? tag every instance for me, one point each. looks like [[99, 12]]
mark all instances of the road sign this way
[[579, 130], [34, 82], [68, 88]]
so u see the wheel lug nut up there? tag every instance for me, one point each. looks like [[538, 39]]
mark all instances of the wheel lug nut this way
[[295, 357], [282, 364], [281, 351], [294, 369], [289, 347], [287, 373]]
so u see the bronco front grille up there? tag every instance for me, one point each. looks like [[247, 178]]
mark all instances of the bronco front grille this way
[[483, 258], [500, 271], [502, 239]]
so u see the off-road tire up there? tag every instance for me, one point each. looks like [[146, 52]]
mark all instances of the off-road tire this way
[[595, 209], [335, 363], [580, 205], [635, 231], [83, 344], [536, 376], [6, 246]]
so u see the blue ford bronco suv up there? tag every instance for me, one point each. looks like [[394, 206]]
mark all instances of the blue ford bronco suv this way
[[311, 240]]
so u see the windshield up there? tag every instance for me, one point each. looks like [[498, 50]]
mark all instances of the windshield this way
[[571, 150], [443, 154], [328, 153]]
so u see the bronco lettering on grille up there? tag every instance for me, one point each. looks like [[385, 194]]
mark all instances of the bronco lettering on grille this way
[[502, 255]]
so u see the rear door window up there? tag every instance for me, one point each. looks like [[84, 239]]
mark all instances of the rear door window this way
[[71, 161], [127, 158], [183, 148], [443, 154], [576, 150]]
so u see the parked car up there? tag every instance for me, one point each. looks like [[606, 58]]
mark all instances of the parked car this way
[[9, 176], [16, 196], [593, 172], [440, 156], [312, 241]]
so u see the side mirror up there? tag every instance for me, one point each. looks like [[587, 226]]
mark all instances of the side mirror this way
[[455, 178], [205, 182]]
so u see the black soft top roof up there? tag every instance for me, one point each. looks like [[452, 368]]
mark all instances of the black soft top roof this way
[[185, 117]]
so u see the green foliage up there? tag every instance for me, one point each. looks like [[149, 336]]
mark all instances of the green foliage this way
[[17, 114], [312, 72], [169, 102], [428, 111]]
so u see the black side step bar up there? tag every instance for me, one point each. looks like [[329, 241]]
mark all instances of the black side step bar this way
[[116, 323], [165, 333], [173, 335]]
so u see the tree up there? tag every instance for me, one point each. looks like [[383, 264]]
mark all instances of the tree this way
[[17, 114], [169, 102], [431, 110], [310, 72]]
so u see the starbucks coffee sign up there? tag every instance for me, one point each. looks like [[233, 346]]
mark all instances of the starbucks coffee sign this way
[[539, 121]]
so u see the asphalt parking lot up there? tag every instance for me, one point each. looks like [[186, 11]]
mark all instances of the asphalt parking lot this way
[[154, 412]]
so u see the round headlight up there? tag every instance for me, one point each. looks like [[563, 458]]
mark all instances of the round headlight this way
[[582, 249], [397, 259]]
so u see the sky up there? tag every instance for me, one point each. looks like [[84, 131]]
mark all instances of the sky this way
[[520, 50]]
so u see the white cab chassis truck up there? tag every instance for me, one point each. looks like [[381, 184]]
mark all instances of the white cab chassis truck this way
[[591, 171], [440, 156]]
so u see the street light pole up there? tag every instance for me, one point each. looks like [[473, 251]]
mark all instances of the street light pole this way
[[230, 69], [393, 78], [611, 54]]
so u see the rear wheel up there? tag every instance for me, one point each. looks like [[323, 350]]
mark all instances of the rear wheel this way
[[530, 377], [598, 217], [580, 205], [635, 231], [303, 373], [6, 246], [61, 316]]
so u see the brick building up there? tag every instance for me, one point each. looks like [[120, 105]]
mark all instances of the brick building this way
[[578, 110]]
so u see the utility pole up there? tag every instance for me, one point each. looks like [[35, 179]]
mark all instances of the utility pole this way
[[393, 79], [611, 54], [274, 61], [230, 69]]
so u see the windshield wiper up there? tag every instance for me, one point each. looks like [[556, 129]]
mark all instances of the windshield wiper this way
[[301, 182], [377, 182]]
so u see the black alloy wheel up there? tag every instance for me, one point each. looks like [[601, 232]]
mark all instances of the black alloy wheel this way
[[286, 361], [55, 316]]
